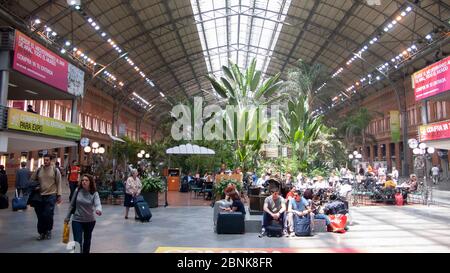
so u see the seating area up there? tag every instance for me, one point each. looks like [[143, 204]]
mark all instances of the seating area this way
[[113, 194]]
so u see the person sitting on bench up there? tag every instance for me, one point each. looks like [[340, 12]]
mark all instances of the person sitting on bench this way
[[317, 210], [274, 210], [389, 184], [237, 204], [299, 206]]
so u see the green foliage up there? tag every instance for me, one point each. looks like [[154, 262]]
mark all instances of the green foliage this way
[[247, 91], [152, 184], [220, 187], [353, 128]]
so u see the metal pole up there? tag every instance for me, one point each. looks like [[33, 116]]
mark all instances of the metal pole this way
[[4, 68]]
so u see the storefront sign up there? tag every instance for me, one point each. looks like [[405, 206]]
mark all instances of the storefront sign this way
[[435, 131], [395, 125], [432, 80], [29, 122], [37, 62]]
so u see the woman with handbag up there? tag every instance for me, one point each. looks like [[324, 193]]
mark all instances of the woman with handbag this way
[[133, 188], [84, 205]]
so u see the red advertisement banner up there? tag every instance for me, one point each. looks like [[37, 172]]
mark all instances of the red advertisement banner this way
[[435, 131], [432, 80], [36, 61]]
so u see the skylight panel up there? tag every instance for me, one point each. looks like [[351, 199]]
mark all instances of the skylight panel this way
[[253, 29]]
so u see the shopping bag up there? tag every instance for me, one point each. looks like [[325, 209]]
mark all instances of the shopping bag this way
[[338, 222], [66, 233]]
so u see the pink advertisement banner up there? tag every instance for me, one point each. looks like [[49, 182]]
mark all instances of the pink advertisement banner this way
[[435, 131], [432, 80], [38, 62]]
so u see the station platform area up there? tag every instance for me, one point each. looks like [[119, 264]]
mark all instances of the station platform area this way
[[414, 228]]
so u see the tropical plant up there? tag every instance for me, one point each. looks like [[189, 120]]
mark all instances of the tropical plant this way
[[307, 134], [354, 127], [248, 93], [152, 184], [220, 187]]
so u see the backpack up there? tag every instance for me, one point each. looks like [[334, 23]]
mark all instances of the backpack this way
[[399, 199], [274, 229], [302, 226]]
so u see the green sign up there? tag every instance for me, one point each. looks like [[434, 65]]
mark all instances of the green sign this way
[[395, 126], [29, 122]]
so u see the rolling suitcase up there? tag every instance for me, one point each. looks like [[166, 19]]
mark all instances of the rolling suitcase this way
[[142, 211], [230, 223]]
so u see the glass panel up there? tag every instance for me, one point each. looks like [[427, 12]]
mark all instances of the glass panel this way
[[253, 25]]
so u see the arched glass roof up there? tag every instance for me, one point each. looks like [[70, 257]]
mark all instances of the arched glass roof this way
[[159, 50]]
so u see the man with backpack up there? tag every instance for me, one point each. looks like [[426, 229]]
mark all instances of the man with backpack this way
[[274, 210], [49, 179]]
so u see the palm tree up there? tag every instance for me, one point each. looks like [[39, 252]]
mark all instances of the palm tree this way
[[354, 127], [248, 93]]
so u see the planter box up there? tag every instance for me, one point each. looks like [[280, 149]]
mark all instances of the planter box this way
[[151, 198]]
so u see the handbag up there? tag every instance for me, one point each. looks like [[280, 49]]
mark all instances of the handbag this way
[[74, 206], [18, 203], [66, 233]]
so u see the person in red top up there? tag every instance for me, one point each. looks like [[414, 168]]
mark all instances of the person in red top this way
[[74, 177]]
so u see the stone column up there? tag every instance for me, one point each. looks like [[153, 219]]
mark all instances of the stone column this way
[[388, 156], [398, 157]]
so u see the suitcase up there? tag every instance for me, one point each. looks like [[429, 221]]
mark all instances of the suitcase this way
[[302, 226], [4, 201], [230, 223], [19, 203], [142, 211], [275, 229]]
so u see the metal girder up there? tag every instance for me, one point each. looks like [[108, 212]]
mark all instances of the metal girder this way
[[227, 9], [250, 27], [356, 4], [132, 11], [177, 33], [302, 32], [203, 30], [427, 15]]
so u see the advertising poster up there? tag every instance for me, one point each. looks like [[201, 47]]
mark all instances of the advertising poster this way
[[38, 62], [395, 125], [432, 80]]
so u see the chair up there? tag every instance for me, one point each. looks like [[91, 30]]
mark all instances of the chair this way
[[104, 193], [118, 193], [196, 187], [207, 190]]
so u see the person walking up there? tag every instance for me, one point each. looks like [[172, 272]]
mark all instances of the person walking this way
[[74, 177], [49, 179], [22, 179], [84, 205], [133, 188]]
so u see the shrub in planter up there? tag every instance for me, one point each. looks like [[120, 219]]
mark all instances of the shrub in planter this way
[[151, 186], [220, 187]]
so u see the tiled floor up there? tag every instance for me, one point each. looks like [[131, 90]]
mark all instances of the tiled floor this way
[[375, 229]]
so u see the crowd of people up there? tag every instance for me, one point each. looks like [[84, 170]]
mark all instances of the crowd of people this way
[[294, 197]]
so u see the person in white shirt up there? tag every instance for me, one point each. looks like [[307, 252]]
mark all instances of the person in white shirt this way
[[435, 173], [381, 171], [394, 173], [262, 180]]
